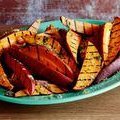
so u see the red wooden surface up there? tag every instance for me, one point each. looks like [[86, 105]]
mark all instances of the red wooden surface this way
[[26, 11]]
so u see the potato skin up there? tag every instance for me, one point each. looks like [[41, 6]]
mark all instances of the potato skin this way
[[23, 77], [108, 70], [39, 68]]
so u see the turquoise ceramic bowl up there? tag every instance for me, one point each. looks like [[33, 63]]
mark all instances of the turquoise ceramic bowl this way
[[94, 90]]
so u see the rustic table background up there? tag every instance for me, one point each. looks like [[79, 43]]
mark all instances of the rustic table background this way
[[23, 12]]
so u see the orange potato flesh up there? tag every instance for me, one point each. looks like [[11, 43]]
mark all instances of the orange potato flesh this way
[[90, 68]]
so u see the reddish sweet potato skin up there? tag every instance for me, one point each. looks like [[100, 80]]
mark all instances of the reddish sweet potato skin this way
[[44, 55], [39, 68], [108, 70], [24, 78]]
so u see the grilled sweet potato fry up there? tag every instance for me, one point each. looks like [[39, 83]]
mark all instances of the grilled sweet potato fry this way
[[51, 87], [23, 76], [105, 40], [13, 38], [4, 80], [52, 44], [73, 40], [79, 26], [114, 44], [41, 53], [35, 26], [42, 68], [54, 33], [90, 68]]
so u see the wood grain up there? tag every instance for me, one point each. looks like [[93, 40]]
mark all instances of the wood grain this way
[[102, 107]]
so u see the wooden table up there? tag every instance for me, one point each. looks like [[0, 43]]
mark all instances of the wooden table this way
[[105, 106], [102, 107]]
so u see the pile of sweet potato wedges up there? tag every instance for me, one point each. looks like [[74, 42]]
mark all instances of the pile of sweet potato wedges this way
[[59, 60]]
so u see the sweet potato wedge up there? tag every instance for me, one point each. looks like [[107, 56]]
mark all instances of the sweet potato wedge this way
[[54, 46], [4, 82], [73, 41], [42, 68], [108, 70], [23, 76], [53, 32], [13, 38], [114, 44], [79, 26], [51, 87], [35, 26], [90, 68], [41, 53], [105, 40]]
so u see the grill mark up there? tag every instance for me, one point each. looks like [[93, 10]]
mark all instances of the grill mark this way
[[9, 41], [52, 43], [38, 54], [34, 27], [90, 58], [91, 45], [66, 22], [115, 37], [36, 22], [116, 24], [72, 47], [74, 52], [30, 32], [115, 31], [75, 25], [90, 65], [84, 80], [22, 33], [93, 52], [14, 34], [73, 43], [84, 28], [88, 72]]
